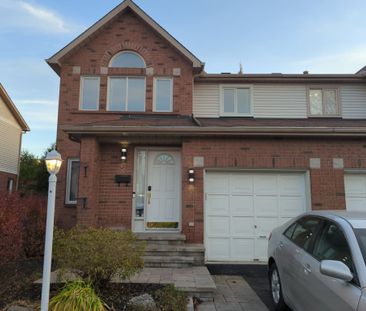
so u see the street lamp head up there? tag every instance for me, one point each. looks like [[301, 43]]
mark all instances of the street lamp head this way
[[53, 162]]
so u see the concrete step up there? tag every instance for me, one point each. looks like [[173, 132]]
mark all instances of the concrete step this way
[[162, 238], [168, 261], [188, 250]]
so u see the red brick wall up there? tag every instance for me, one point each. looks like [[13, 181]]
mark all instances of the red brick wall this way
[[327, 183], [125, 32], [4, 177]]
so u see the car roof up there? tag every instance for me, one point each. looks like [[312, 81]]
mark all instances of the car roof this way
[[356, 219]]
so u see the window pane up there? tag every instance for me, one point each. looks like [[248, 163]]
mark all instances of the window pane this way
[[304, 232], [136, 94], [243, 101], [316, 102], [117, 94], [229, 100], [127, 60], [332, 245], [330, 102], [163, 98], [90, 93], [74, 180], [290, 230], [140, 184]]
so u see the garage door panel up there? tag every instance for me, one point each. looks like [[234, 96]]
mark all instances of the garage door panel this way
[[241, 184], [265, 184], [291, 206], [218, 248], [242, 226], [218, 226], [355, 185], [356, 204], [242, 249], [265, 225], [266, 205], [260, 250], [290, 184], [217, 183], [241, 205], [217, 204]]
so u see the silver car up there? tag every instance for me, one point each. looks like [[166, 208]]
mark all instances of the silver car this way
[[317, 262]]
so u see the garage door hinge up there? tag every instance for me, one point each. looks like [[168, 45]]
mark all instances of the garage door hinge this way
[[205, 195]]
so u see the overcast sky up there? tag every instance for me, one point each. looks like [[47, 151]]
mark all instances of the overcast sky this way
[[322, 36]]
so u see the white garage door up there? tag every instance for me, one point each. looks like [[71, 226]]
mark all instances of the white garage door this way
[[241, 210], [355, 189]]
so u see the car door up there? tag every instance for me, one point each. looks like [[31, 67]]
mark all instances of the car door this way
[[295, 242], [325, 293]]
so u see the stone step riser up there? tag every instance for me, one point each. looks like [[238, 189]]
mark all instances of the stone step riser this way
[[198, 257], [165, 242], [167, 265]]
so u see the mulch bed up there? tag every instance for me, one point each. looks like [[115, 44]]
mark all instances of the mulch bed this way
[[16, 283]]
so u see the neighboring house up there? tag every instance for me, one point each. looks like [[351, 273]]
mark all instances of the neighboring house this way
[[12, 126], [153, 143]]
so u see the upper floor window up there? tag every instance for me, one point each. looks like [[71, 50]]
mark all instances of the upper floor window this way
[[163, 94], [127, 59], [236, 101], [323, 102], [89, 93], [126, 94]]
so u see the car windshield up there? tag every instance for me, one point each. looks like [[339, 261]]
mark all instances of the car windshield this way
[[361, 238]]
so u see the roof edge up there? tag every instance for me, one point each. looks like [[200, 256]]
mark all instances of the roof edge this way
[[13, 109], [53, 61]]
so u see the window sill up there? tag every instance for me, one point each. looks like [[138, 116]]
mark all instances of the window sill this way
[[124, 112], [325, 117], [70, 205], [237, 116]]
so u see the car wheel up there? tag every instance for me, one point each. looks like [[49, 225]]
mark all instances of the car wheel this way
[[276, 288]]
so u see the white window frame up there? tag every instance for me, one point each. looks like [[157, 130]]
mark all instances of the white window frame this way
[[68, 180], [155, 93], [236, 114], [126, 98], [124, 52], [324, 88], [81, 93]]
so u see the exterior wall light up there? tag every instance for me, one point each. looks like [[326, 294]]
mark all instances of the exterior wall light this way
[[124, 154], [191, 175]]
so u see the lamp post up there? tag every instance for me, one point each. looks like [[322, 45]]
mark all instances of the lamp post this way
[[53, 164]]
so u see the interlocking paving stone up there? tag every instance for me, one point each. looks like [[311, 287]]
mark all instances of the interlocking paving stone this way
[[233, 294]]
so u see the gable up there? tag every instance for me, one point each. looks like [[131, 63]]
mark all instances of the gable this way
[[6, 115], [55, 60]]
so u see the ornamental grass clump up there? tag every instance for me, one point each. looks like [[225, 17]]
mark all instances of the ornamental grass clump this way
[[77, 296], [99, 254]]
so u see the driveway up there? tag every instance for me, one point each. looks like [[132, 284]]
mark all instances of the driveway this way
[[253, 275]]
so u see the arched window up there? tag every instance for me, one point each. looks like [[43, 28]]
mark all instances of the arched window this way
[[127, 59]]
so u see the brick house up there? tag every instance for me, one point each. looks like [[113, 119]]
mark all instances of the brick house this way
[[12, 127], [153, 143]]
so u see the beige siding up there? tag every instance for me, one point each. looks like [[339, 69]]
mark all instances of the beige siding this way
[[353, 99], [10, 133], [279, 101], [206, 100]]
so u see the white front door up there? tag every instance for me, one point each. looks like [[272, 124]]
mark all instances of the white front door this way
[[242, 208], [163, 192]]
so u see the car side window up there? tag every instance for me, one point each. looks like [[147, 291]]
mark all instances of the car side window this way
[[304, 231], [332, 245], [290, 231]]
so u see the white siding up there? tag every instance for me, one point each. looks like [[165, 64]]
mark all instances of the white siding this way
[[206, 100], [10, 133], [279, 101], [353, 99]]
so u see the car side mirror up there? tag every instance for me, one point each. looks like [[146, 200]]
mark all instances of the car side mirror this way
[[336, 269]]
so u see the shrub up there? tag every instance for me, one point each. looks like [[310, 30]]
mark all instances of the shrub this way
[[77, 296], [12, 210], [98, 253], [22, 226], [170, 299]]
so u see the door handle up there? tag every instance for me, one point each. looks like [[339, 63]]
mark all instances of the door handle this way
[[148, 198], [307, 268], [281, 245]]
